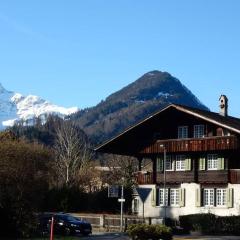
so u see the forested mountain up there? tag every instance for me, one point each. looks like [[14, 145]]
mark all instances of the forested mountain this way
[[148, 94]]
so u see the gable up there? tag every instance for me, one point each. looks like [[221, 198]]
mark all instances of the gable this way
[[163, 125]]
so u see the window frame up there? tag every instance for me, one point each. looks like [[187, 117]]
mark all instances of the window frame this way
[[169, 162], [214, 197], [136, 205], [182, 132], [160, 200], [199, 131], [221, 194], [208, 197], [176, 197], [180, 162], [212, 163], [159, 164]]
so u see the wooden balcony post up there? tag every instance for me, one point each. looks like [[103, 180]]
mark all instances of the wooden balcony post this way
[[154, 168], [139, 163]]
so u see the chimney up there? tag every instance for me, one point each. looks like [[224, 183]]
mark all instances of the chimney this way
[[223, 104]]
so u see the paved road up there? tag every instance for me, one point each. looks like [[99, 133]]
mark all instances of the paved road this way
[[119, 236], [206, 237], [107, 236]]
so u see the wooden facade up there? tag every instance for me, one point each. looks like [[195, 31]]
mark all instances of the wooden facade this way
[[193, 145], [159, 133], [202, 177]]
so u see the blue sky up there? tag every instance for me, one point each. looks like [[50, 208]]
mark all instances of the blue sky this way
[[76, 53]]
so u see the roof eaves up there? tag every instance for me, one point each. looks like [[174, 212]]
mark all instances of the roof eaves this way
[[130, 128], [206, 118]]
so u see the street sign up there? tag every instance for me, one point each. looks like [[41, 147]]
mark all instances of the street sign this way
[[113, 191], [121, 200], [143, 193]]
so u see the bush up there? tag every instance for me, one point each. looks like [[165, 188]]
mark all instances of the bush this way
[[228, 225], [211, 224], [204, 223], [145, 232]]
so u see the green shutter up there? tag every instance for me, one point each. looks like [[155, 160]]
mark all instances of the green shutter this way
[[230, 197], [153, 197], [159, 164], [220, 163], [188, 164], [198, 197], [182, 197], [202, 164]]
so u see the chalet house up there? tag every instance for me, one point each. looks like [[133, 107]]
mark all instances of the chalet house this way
[[195, 161]]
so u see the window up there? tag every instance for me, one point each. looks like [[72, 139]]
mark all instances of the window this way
[[212, 161], [214, 197], [135, 205], [208, 197], [169, 163], [183, 132], [174, 197], [198, 131], [180, 162], [161, 197], [159, 164], [221, 197]]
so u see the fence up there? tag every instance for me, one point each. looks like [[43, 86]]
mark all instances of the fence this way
[[109, 223]]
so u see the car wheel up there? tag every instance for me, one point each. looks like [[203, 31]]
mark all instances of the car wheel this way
[[86, 234], [67, 231]]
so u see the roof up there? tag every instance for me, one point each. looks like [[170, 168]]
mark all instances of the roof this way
[[228, 122]]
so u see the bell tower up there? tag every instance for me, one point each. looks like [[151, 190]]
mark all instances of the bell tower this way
[[223, 104]]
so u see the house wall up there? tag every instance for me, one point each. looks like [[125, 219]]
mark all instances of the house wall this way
[[190, 204]]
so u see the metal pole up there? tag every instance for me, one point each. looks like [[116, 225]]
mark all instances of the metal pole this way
[[122, 197], [51, 229], [164, 184]]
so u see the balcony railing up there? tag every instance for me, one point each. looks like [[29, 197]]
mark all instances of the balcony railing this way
[[193, 144], [214, 176], [144, 177], [176, 177], [234, 176], [171, 177]]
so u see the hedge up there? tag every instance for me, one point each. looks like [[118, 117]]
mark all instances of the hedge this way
[[211, 224], [145, 232]]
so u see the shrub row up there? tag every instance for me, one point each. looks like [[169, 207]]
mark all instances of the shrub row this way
[[145, 232], [211, 224], [73, 199]]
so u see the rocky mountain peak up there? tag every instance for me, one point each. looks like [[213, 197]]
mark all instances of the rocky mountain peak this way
[[148, 94]]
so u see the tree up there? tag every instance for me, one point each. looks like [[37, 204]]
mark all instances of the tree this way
[[120, 167], [73, 154], [24, 178]]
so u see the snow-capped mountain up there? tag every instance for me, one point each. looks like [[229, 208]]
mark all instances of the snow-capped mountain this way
[[16, 107]]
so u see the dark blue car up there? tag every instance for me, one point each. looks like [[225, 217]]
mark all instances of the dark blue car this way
[[64, 224]]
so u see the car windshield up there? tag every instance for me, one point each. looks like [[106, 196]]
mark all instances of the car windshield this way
[[69, 218]]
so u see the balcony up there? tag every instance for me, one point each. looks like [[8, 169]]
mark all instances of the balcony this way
[[144, 178], [213, 176], [234, 176], [193, 145], [171, 177], [176, 177]]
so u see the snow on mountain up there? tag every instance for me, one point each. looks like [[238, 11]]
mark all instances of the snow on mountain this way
[[15, 107]]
